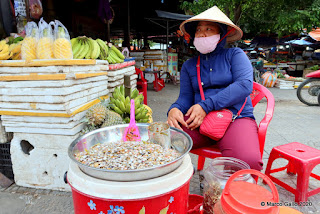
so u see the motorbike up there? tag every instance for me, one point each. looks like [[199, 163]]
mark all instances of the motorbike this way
[[308, 91]]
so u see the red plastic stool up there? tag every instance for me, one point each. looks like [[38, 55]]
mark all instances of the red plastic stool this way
[[301, 161], [142, 85]]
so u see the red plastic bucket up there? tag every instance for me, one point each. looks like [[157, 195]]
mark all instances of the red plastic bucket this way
[[165, 194], [194, 204]]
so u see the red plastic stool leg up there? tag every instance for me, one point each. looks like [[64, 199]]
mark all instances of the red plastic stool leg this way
[[201, 161], [302, 185], [291, 169], [272, 157]]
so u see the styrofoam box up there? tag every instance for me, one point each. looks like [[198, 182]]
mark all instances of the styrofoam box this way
[[124, 70], [40, 161], [49, 69]]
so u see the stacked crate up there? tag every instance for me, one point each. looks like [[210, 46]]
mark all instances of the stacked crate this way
[[43, 106], [117, 72]]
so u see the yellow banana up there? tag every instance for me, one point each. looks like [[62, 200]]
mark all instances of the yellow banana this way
[[5, 56], [4, 48], [17, 56]]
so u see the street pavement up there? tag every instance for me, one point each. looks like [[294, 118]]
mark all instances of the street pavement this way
[[292, 122]]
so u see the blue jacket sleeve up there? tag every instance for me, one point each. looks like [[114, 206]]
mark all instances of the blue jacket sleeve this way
[[186, 95], [238, 90]]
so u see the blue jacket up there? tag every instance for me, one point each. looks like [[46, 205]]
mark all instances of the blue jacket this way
[[227, 77]]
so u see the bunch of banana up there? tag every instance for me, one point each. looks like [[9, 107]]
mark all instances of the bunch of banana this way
[[114, 55], [121, 105], [83, 47], [103, 49], [11, 51]]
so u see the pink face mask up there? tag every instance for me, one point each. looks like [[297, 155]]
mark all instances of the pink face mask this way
[[206, 44]]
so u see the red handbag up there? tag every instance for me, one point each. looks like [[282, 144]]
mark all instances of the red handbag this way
[[216, 123]]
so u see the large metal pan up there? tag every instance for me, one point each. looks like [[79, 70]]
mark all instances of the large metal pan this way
[[179, 141]]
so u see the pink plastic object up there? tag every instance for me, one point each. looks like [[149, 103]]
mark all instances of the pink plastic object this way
[[131, 133], [301, 161], [259, 92]]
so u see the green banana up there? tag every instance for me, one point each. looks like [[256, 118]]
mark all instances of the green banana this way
[[79, 50], [143, 121], [122, 89], [103, 45], [116, 109], [95, 49], [134, 93], [73, 41], [88, 55], [127, 104], [113, 56], [111, 60], [103, 52], [138, 116], [118, 104], [112, 100], [117, 52], [122, 107], [85, 50], [122, 98], [76, 45]]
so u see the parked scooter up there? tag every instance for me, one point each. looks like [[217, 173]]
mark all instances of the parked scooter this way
[[308, 91]]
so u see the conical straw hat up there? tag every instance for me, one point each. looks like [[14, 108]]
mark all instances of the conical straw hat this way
[[213, 14]]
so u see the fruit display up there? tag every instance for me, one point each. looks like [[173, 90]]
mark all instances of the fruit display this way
[[62, 48], [117, 111], [84, 47], [29, 45], [121, 105]]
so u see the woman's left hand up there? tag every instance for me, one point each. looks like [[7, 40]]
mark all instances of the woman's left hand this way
[[196, 115]]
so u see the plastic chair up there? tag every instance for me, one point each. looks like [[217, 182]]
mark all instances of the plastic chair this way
[[301, 161], [142, 85], [259, 92]]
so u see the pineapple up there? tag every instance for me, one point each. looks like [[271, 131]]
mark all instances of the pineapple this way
[[45, 48], [112, 118], [96, 114], [62, 48], [28, 48]]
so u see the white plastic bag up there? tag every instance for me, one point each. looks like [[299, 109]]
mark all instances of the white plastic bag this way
[[29, 45], [46, 38], [62, 48]]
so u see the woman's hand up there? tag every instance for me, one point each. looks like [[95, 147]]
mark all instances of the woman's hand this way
[[175, 116], [196, 115]]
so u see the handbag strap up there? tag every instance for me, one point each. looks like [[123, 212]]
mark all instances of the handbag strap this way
[[201, 89]]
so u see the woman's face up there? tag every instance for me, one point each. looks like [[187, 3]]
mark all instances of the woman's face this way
[[206, 28]]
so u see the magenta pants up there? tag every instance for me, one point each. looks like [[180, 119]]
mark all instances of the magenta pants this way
[[240, 141]]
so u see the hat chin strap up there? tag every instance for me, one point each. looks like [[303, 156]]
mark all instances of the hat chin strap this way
[[230, 31]]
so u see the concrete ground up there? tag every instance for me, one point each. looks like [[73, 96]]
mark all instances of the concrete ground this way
[[292, 122]]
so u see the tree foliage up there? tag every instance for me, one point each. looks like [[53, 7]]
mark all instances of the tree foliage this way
[[261, 16]]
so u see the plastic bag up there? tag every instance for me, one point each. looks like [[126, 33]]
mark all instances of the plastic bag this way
[[62, 48], [45, 43], [35, 7], [269, 79], [29, 44]]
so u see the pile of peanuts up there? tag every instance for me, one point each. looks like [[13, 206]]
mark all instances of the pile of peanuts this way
[[129, 155]]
